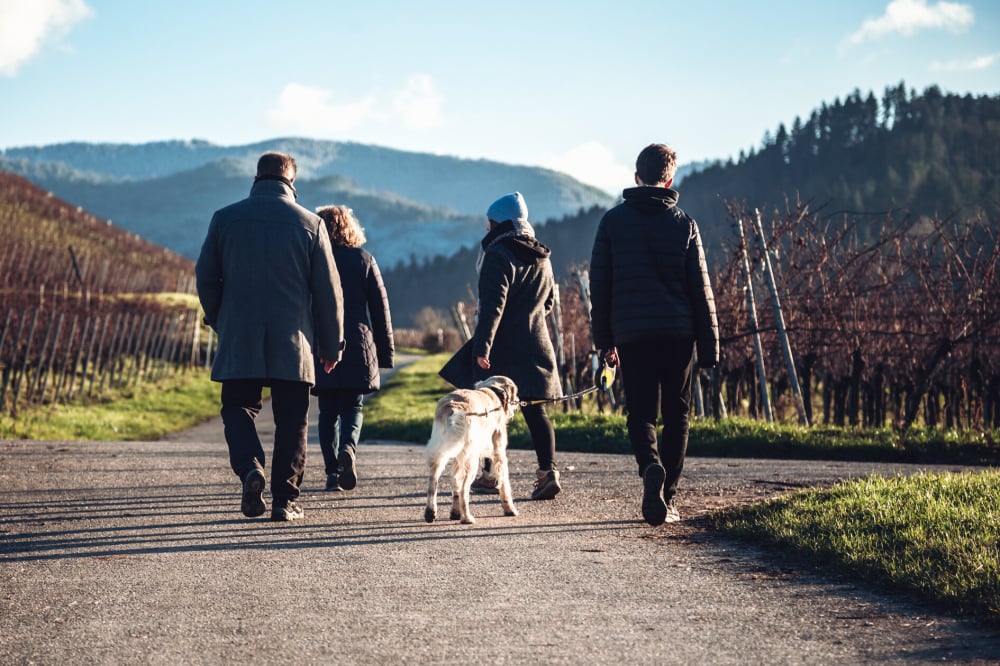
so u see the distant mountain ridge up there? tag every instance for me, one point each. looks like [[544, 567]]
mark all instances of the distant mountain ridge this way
[[411, 204]]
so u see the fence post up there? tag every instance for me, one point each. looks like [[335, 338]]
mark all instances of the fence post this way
[[461, 323], [752, 313], [24, 360], [555, 318], [779, 318]]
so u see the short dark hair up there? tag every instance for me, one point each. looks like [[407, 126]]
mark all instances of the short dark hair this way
[[656, 164], [276, 164]]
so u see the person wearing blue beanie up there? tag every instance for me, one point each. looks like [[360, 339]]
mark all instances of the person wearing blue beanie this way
[[516, 293], [508, 207]]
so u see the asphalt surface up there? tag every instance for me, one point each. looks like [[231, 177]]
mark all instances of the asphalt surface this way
[[128, 553]]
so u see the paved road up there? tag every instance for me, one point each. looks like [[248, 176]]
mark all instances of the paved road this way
[[120, 553]]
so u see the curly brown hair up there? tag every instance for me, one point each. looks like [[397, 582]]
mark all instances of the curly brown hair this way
[[343, 227]]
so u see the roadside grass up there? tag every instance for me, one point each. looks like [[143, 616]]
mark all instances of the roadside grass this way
[[143, 412], [404, 408], [934, 534]]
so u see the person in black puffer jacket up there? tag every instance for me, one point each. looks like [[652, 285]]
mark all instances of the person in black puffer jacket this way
[[368, 334], [652, 308]]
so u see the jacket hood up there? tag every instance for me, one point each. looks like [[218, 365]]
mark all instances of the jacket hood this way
[[518, 236], [650, 200], [527, 249]]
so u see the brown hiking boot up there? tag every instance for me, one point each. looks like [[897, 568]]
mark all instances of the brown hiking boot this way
[[485, 485], [546, 485]]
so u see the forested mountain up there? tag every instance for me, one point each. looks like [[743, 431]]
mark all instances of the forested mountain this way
[[930, 154], [410, 203], [926, 155]]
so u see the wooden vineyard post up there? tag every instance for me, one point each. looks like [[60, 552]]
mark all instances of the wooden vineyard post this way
[[752, 313], [786, 346]]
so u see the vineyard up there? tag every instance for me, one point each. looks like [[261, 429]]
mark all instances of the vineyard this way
[[889, 322], [83, 306]]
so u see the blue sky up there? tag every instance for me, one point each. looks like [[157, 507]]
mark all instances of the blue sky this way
[[574, 85]]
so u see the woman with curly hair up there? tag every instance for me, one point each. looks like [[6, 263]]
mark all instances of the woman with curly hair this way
[[368, 333]]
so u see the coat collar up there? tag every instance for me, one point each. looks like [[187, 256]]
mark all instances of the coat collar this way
[[273, 185]]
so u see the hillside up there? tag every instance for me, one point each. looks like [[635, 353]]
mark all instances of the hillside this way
[[44, 240], [929, 154], [167, 191], [923, 156]]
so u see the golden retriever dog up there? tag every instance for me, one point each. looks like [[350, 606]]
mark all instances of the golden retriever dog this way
[[469, 425]]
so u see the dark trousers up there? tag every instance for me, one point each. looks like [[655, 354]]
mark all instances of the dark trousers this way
[[543, 437], [657, 373], [340, 421], [241, 403]]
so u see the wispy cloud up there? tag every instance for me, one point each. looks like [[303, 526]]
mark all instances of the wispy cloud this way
[[317, 111], [321, 111], [419, 104], [27, 25], [906, 17], [593, 163], [971, 65]]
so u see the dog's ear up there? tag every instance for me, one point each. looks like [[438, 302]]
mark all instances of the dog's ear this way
[[510, 389]]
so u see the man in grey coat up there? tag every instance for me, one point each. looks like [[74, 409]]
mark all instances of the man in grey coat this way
[[652, 305], [270, 288]]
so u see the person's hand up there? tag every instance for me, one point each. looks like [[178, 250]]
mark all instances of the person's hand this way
[[611, 356], [483, 362], [328, 366]]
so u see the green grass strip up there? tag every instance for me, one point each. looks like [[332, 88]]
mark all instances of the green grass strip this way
[[934, 534], [403, 410], [146, 411]]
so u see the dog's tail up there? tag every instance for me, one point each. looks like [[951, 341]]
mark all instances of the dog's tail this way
[[455, 422]]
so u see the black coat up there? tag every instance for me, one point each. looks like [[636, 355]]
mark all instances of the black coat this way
[[367, 325], [648, 276], [516, 293]]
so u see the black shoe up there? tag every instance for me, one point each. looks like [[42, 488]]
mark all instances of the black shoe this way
[[348, 472], [287, 512], [333, 481], [253, 503], [654, 509]]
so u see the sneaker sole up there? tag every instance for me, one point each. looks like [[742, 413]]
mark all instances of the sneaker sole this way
[[654, 509], [253, 504], [283, 516]]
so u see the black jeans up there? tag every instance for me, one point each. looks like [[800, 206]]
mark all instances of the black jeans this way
[[658, 371], [241, 403], [543, 435], [340, 421]]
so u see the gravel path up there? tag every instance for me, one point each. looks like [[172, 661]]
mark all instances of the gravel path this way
[[120, 553]]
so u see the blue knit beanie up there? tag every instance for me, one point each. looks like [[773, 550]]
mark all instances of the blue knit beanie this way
[[508, 207]]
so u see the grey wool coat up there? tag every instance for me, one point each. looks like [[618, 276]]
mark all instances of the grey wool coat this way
[[270, 288], [516, 292]]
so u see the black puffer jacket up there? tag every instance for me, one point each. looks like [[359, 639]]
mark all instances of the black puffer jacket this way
[[648, 276], [367, 325]]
